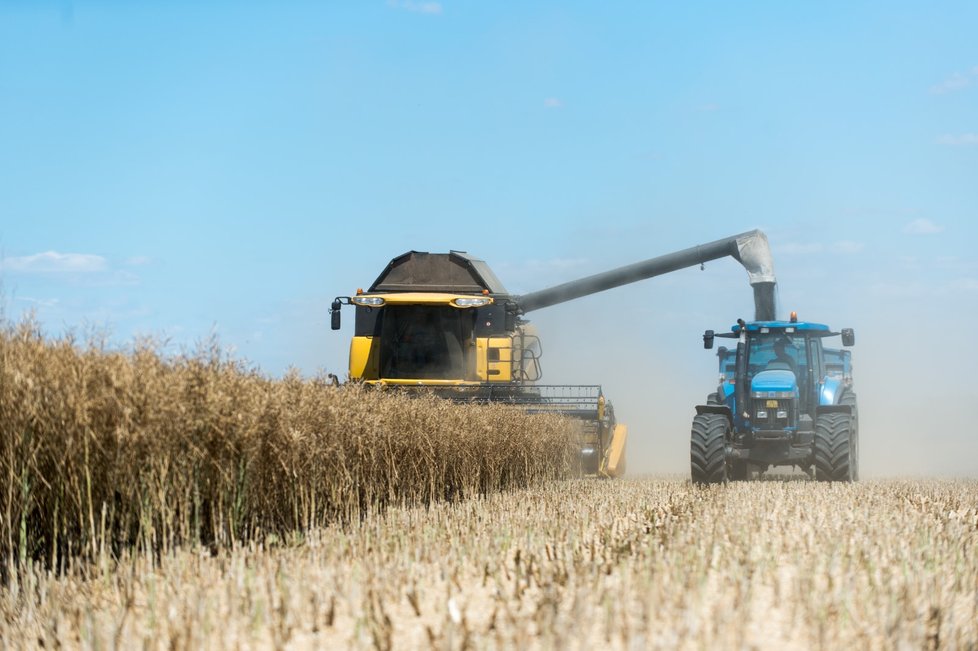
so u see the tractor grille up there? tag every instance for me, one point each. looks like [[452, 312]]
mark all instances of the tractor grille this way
[[765, 414]]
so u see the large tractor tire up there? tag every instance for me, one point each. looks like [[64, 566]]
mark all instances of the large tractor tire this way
[[849, 398], [708, 449], [834, 459]]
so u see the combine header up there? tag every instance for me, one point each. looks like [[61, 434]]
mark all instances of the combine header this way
[[444, 322]]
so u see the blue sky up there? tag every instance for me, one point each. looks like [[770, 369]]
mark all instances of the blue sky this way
[[182, 168]]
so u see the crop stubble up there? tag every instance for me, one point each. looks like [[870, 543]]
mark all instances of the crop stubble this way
[[640, 563]]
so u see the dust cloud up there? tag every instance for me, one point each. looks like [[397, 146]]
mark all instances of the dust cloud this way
[[916, 389], [642, 343]]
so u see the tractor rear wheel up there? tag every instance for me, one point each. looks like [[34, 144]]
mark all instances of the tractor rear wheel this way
[[849, 398], [708, 449], [834, 447]]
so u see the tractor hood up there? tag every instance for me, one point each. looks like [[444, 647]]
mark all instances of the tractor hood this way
[[774, 381]]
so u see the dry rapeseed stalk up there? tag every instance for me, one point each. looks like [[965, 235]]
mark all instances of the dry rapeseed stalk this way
[[101, 451]]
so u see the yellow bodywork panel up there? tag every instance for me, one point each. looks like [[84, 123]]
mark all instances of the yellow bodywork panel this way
[[494, 359], [364, 358], [425, 298], [399, 382], [613, 464]]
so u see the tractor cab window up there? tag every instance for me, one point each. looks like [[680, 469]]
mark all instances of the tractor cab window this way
[[427, 342], [777, 351]]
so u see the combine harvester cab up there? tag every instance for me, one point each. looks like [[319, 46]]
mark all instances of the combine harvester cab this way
[[786, 401], [444, 323]]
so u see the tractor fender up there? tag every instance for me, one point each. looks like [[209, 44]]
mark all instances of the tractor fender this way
[[830, 391], [723, 410]]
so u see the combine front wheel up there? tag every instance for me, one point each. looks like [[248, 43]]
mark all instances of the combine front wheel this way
[[834, 448], [708, 449]]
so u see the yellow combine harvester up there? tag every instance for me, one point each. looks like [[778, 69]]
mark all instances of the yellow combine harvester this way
[[444, 322]]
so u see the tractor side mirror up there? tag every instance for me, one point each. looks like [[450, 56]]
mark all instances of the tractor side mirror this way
[[334, 315], [848, 337], [708, 339]]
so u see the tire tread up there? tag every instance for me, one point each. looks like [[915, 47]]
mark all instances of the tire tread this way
[[707, 449], [832, 447]]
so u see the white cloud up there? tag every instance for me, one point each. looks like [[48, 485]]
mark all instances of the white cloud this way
[[553, 103], [535, 273], [54, 262], [965, 285], [958, 140], [138, 261], [922, 227], [799, 248], [558, 263], [956, 265], [42, 302], [955, 82], [433, 8], [901, 290], [848, 247]]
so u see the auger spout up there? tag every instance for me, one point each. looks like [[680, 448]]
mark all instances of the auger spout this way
[[751, 249]]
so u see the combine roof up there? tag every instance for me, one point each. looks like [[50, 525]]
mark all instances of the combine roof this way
[[455, 272]]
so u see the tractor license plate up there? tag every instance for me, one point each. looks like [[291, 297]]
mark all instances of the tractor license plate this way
[[772, 404]]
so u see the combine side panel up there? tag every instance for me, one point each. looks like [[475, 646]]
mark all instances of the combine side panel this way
[[614, 462], [364, 358]]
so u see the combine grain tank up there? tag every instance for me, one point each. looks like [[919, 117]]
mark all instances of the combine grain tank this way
[[445, 322]]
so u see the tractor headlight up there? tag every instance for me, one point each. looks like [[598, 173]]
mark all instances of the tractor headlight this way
[[782, 414], [762, 414], [367, 301], [777, 395]]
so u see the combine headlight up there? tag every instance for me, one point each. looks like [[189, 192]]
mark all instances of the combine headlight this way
[[367, 301], [782, 414], [762, 414], [587, 452], [475, 301]]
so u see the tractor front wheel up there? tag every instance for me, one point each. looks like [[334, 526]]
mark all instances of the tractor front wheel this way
[[834, 448], [708, 449]]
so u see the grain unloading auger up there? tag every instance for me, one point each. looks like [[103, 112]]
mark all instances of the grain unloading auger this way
[[444, 321]]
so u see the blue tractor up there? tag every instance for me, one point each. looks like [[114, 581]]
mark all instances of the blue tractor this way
[[783, 400]]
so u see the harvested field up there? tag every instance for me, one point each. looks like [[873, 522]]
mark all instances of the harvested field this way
[[640, 563], [192, 503]]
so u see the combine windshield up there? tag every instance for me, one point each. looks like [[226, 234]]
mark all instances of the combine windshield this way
[[427, 342]]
